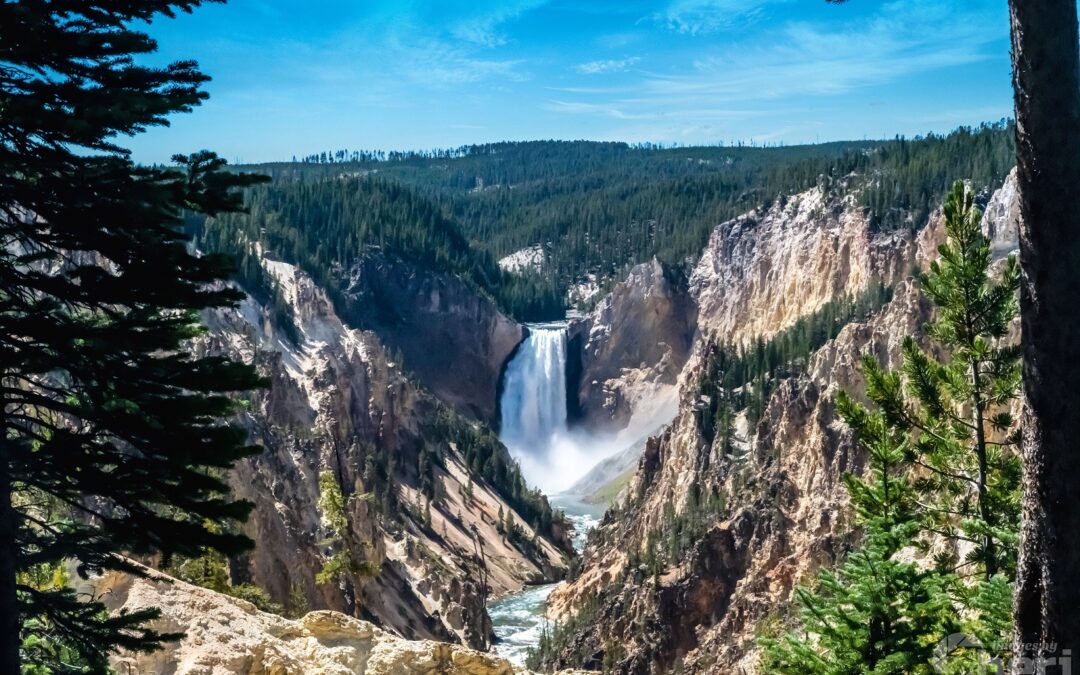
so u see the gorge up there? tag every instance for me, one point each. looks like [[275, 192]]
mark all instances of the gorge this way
[[391, 373], [698, 396]]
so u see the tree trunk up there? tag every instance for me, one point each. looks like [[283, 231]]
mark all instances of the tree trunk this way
[[9, 615], [1046, 79]]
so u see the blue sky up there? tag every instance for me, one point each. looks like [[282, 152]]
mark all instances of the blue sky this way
[[293, 77]]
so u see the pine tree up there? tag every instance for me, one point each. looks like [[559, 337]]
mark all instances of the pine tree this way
[[958, 408], [944, 466], [875, 614], [113, 439], [348, 563]]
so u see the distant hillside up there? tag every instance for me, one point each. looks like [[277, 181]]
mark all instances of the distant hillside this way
[[325, 224], [599, 208]]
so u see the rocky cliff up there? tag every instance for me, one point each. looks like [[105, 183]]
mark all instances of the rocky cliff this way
[[704, 550], [225, 635], [453, 339], [626, 355], [418, 512], [763, 271], [759, 274]]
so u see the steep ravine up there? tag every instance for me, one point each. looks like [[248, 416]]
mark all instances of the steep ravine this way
[[774, 510], [340, 403]]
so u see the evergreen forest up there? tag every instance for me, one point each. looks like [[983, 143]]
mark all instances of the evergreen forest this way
[[595, 208]]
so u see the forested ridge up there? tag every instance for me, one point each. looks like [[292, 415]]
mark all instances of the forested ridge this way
[[596, 208], [326, 225]]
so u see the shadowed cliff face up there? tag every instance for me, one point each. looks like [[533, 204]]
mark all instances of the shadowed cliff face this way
[[455, 341], [629, 351], [776, 507], [339, 403]]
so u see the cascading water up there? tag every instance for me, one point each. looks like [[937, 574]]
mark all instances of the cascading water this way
[[534, 429], [534, 391], [533, 409]]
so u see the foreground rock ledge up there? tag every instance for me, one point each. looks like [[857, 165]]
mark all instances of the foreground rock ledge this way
[[225, 635]]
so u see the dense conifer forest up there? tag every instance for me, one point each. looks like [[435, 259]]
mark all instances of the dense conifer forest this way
[[595, 208]]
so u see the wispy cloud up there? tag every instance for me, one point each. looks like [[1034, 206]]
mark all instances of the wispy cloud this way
[[607, 66], [481, 21], [812, 59], [420, 73], [706, 16], [441, 64], [794, 61]]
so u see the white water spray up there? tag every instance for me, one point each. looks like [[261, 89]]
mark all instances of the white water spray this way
[[533, 421]]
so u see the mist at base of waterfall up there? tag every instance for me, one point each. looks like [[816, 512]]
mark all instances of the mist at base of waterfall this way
[[562, 461], [566, 458], [534, 428]]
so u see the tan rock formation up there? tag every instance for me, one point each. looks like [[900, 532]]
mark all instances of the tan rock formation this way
[[762, 271], [227, 636], [339, 403]]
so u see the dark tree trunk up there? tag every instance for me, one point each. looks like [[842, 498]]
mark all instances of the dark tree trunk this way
[[1046, 79], [9, 615]]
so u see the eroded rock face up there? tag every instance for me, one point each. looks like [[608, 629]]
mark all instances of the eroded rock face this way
[[628, 353], [226, 636], [1001, 218], [455, 341], [339, 403], [763, 271], [783, 510]]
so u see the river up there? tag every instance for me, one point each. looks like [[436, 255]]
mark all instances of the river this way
[[518, 618]]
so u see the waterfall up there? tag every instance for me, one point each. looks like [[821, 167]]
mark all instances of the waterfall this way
[[534, 392], [533, 424]]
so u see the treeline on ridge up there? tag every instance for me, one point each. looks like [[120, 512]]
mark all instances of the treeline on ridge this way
[[596, 208], [325, 225], [602, 207]]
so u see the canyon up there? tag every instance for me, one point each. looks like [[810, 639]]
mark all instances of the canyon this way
[[771, 512], [604, 407], [338, 402]]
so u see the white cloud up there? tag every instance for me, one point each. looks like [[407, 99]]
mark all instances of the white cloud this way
[[606, 66], [811, 59], [781, 72], [706, 16], [481, 23], [441, 64]]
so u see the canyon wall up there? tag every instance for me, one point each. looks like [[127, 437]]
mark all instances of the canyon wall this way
[[768, 514], [626, 355], [451, 337], [427, 521], [763, 271]]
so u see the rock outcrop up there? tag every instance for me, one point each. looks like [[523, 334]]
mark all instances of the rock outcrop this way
[[227, 636], [768, 515], [339, 403], [626, 356], [453, 339], [763, 271]]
